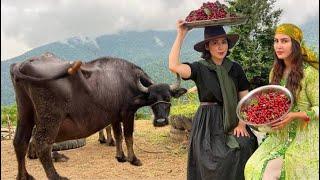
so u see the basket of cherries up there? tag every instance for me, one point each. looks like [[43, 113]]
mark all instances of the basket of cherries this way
[[212, 14]]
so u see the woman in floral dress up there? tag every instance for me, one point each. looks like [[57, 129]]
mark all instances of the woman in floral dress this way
[[291, 151]]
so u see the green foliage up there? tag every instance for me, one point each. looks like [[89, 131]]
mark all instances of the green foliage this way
[[143, 113], [11, 113], [8, 112], [186, 105], [254, 50]]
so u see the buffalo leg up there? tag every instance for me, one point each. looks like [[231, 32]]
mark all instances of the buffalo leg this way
[[32, 152], [128, 131], [23, 133], [110, 141], [102, 139], [44, 140], [116, 126], [20, 143]]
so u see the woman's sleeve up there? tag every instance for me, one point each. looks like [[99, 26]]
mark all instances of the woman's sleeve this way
[[312, 92], [242, 79], [194, 70]]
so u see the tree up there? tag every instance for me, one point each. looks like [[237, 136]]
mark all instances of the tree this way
[[255, 47]]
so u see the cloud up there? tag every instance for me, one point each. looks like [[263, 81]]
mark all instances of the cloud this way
[[296, 11], [32, 23], [36, 22], [11, 47]]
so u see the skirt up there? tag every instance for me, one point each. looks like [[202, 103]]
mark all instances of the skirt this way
[[209, 156]]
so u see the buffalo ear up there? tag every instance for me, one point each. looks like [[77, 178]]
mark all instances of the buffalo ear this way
[[86, 73], [178, 92]]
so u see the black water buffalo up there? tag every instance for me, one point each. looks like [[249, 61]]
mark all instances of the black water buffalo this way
[[63, 107]]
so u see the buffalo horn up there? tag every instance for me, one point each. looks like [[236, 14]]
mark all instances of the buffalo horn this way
[[141, 87], [177, 84]]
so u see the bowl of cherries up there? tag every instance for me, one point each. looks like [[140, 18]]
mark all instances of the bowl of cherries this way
[[213, 14], [263, 106]]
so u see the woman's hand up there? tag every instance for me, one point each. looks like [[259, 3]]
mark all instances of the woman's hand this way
[[288, 118], [181, 28], [241, 130]]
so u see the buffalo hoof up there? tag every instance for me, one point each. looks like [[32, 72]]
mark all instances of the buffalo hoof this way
[[58, 178], [121, 158], [135, 161], [110, 143], [63, 178], [26, 177], [57, 157], [102, 141]]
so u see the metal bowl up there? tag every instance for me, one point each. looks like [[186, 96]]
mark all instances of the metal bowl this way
[[266, 127]]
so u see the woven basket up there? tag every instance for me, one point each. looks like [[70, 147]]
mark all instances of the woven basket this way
[[215, 22]]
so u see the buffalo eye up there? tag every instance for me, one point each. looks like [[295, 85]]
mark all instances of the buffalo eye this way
[[167, 99]]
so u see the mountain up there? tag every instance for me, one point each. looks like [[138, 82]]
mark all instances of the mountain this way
[[149, 50], [311, 32]]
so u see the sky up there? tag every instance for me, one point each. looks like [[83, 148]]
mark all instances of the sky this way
[[27, 24]]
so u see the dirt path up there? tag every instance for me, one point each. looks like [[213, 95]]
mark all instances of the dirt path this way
[[162, 158]]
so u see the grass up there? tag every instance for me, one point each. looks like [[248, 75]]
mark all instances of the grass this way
[[159, 138]]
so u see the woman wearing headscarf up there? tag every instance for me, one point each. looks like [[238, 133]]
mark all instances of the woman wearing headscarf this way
[[291, 151], [219, 144]]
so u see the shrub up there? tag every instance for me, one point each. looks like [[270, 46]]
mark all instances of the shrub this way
[[8, 112], [186, 105]]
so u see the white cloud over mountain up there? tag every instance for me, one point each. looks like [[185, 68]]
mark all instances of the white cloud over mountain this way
[[31, 23]]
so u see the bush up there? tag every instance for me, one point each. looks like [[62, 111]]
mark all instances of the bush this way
[[186, 105], [143, 114], [9, 112]]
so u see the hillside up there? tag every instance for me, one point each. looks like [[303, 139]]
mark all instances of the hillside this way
[[148, 49]]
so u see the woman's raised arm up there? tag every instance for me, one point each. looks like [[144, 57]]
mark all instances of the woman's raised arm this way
[[174, 57]]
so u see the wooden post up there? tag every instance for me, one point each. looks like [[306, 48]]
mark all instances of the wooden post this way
[[9, 126]]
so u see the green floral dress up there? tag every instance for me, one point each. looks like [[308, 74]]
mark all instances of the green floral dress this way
[[297, 146]]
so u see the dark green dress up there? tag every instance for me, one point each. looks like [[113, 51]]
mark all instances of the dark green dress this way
[[209, 157]]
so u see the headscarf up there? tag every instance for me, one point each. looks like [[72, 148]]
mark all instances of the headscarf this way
[[295, 33]]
